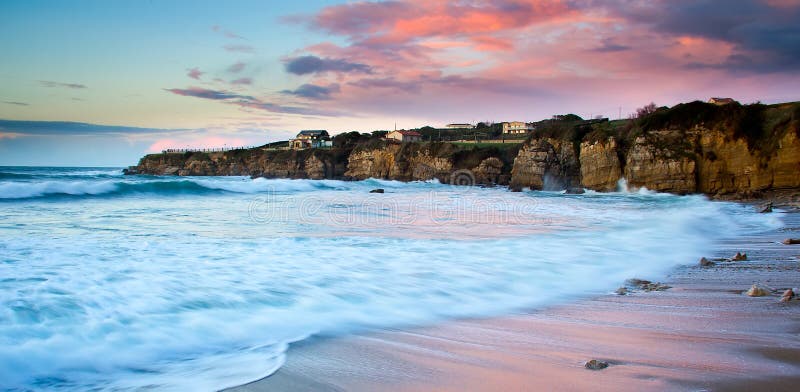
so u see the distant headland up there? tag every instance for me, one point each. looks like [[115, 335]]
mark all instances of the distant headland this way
[[720, 148]]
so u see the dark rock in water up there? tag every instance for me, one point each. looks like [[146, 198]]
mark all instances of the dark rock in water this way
[[647, 285], [791, 241], [739, 257], [575, 191], [756, 291], [767, 208], [596, 365], [515, 188], [379, 190], [622, 291], [704, 262], [787, 296]]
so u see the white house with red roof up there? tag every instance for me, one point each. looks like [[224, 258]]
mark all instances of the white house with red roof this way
[[405, 136]]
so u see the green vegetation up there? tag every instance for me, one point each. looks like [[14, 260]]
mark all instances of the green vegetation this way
[[761, 126], [280, 144], [508, 144]]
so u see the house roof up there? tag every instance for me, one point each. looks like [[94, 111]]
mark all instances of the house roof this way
[[409, 133], [718, 99], [313, 132]]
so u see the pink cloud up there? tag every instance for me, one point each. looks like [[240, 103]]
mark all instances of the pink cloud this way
[[225, 33], [242, 81], [237, 67], [492, 44], [194, 73]]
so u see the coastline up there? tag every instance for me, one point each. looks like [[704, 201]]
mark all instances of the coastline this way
[[702, 334]]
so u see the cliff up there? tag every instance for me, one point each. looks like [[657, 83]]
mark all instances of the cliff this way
[[311, 164], [376, 159], [690, 148], [546, 163], [447, 162]]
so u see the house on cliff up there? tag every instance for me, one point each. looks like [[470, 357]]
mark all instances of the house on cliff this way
[[721, 101], [311, 139], [459, 126], [517, 127], [405, 136]]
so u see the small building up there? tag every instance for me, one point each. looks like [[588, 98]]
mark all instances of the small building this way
[[311, 139], [721, 101], [459, 126], [517, 127], [405, 136]]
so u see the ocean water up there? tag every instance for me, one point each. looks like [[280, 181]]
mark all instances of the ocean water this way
[[110, 282]]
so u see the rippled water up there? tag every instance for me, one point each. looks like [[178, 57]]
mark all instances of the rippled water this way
[[112, 282]]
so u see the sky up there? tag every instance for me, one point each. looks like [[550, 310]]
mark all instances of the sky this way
[[101, 83]]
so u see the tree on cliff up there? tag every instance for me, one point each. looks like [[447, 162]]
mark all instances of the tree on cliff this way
[[646, 110], [348, 139]]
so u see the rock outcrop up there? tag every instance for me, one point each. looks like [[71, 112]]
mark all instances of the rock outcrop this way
[[426, 161], [727, 165], [661, 162], [600, 165], [546, 164], [312, 164]]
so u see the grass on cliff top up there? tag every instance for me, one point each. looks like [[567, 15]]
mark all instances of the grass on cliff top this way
[[761, 126], [506, 145]]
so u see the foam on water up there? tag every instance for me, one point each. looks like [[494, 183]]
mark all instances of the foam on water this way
[[202, 283]]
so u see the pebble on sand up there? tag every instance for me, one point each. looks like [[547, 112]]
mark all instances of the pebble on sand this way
[[756, 291], [596, 365], [739, 256], [704, 262], [647, 285], [787, 296]]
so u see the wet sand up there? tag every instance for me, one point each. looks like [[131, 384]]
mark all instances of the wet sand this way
[[702, 334]]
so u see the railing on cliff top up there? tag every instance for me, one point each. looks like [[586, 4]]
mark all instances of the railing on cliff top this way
[[215, 149]]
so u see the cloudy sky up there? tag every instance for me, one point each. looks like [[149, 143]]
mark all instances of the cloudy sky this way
[[103, 82]]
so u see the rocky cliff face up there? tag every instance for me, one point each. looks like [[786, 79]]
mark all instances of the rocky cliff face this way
[[698, 157], [312, 164], [600, 165], [661, 161], [403, 162], [546, 163], [425, 161], [728, 166]]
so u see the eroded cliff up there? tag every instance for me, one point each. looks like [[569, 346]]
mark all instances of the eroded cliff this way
[[426, 161], [692, 148], [311, 164]]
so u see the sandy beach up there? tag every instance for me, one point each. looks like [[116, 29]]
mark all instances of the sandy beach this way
[[704, 333]]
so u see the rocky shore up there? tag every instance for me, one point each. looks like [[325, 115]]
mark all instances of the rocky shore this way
[[729, 152]]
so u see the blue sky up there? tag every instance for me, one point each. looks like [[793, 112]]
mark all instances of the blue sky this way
[[208, 73]]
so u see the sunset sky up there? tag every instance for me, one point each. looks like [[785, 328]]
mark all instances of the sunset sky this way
[[140, 76]]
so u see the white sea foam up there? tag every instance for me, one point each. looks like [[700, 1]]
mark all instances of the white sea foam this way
[[202, 291]]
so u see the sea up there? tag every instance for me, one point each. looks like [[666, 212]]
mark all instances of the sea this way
[[112, 282]]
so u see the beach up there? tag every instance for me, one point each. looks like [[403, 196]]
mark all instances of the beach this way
[[704, 333]]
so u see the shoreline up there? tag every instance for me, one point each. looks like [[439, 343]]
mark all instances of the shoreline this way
[[702, 334]]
